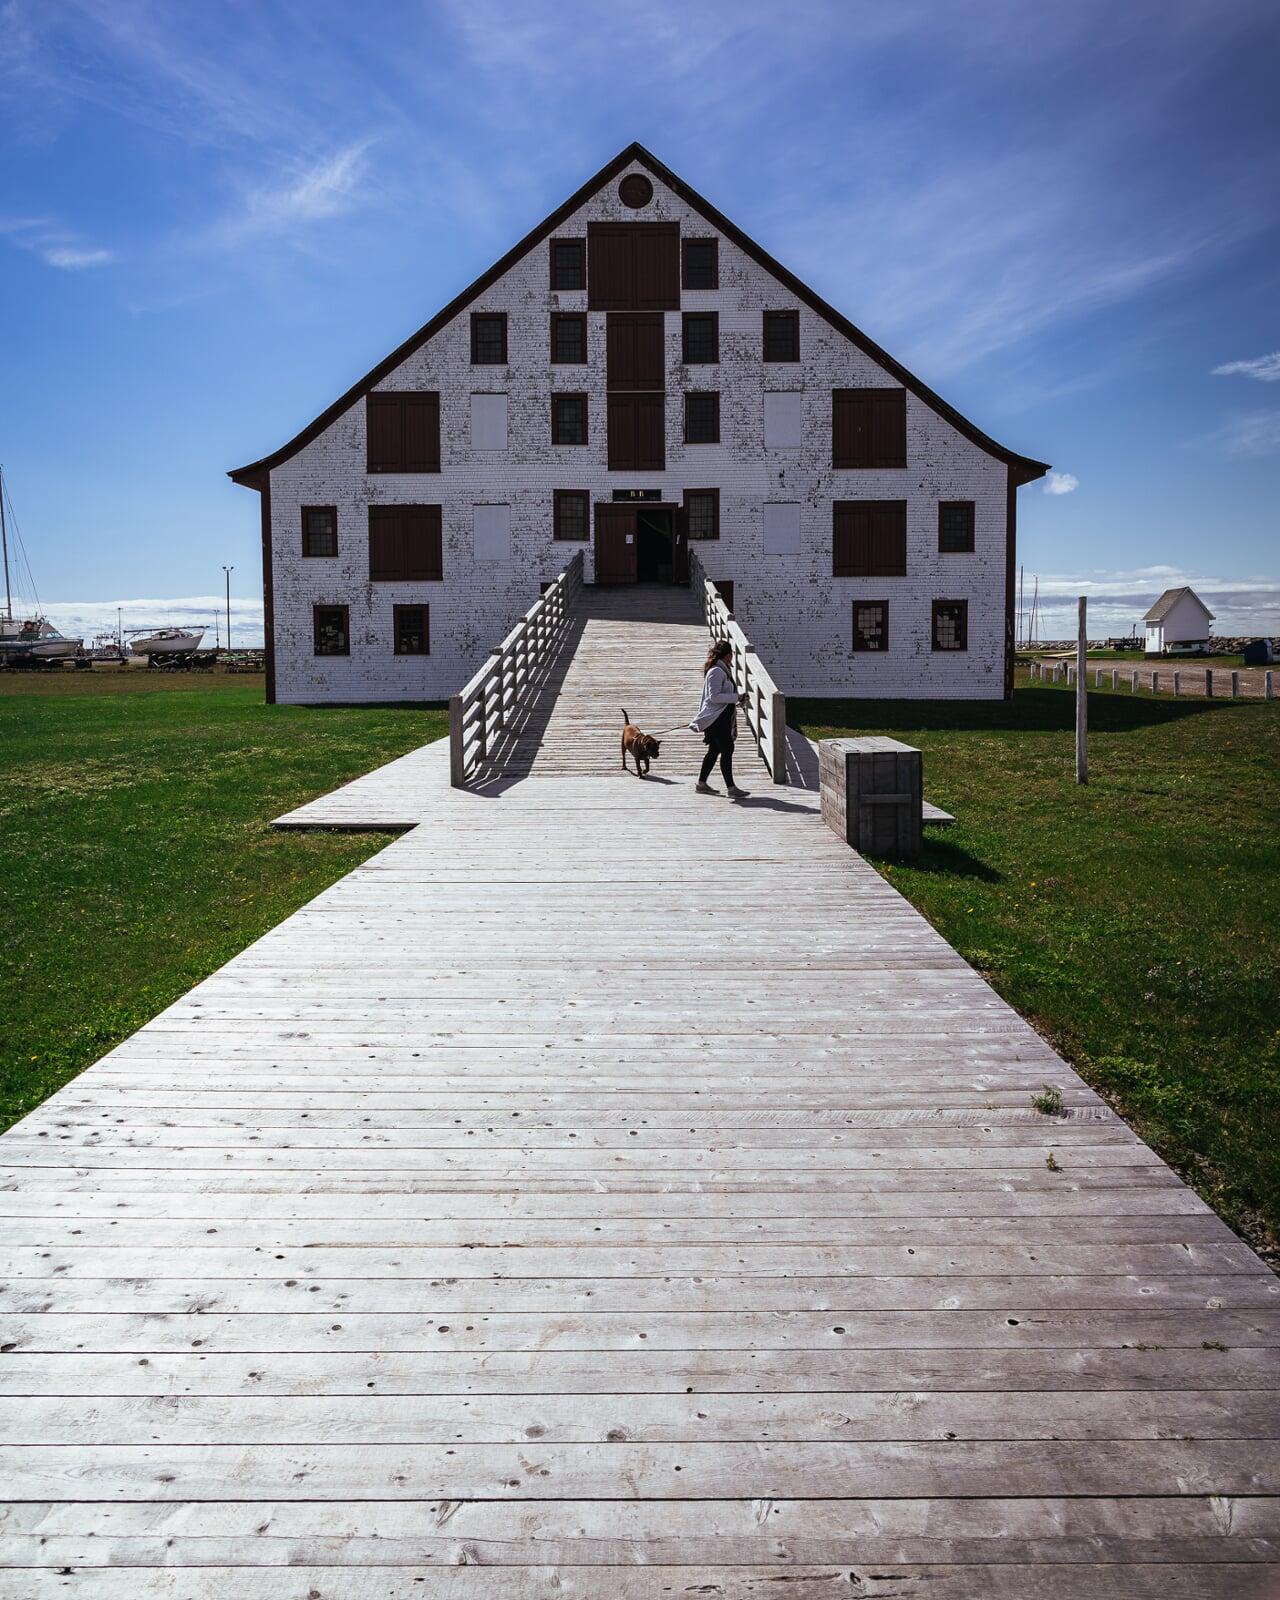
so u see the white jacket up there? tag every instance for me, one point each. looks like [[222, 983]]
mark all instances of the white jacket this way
[[717, 693]]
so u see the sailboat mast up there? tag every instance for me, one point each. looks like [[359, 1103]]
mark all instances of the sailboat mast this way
[[4, 543]]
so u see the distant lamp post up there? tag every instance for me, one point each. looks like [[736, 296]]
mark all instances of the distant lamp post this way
[[229, 570]]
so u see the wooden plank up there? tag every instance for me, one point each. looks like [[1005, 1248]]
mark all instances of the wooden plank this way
[[509, 1533], [1140, 1365], [176, 1285], [1005, 1581], [506, 1419], [628, 1471], [1016, 1327]]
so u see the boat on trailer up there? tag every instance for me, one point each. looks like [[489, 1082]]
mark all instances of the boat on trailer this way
[[165, 647], [31, 641]]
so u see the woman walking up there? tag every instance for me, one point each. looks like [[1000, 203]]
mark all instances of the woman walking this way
[[716, 720]]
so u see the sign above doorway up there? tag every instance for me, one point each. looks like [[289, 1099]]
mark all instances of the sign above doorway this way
[[637, 494]]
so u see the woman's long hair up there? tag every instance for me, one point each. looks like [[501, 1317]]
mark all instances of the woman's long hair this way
[[720, 651]]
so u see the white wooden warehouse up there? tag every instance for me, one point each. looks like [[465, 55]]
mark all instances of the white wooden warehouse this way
[[635, 374]]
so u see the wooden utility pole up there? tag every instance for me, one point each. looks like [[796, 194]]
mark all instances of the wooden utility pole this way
[[1082, 698]]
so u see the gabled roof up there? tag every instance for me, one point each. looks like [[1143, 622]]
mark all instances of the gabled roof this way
[[1024, 468], [1165, 604]]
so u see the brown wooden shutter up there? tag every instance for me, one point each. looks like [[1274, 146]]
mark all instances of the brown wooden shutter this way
[[635, 354], [850, 539], [850, 428], [386, 543], [651, 451], [422, 433], [385, 432], [610, 278], [657, 266], [889, 539], [888, 427], [423, 544]]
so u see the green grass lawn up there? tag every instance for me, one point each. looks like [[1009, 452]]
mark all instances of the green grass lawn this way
[[135, 851], [1135, 922]]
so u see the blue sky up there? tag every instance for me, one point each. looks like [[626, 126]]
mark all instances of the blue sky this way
[[213, 218]]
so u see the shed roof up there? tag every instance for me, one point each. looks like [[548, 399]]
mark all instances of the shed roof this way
[[1165, 604], [1024, 468]]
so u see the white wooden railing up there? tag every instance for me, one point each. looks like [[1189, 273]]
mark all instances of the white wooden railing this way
[[766, 706], [485, 705]]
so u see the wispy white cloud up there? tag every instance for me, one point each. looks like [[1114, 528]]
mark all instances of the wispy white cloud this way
[[1249, 433], [1061, 483], [45, 237], [73, 260], [1266, 369], [312, 193]]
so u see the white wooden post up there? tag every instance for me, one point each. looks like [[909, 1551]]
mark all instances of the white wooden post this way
[[457, 766], [1134, 684], [1235, 685], [1208, 683], [1115, 677], [1082, 695]]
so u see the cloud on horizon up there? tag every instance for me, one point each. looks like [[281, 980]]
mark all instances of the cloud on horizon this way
[[1061, 483], [1118, 598], [85, 619]]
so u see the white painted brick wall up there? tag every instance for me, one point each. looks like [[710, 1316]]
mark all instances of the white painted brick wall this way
[[795, 612]]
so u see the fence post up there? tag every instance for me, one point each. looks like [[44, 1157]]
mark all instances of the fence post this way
[[1208, 683], [1134, 685], [1155, 683], [1115, 677], [778, 736], [1235, 685], [1268, 690], [457, 772], [1082, 694]]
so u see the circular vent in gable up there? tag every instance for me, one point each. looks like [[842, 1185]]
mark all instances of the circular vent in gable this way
[[635, 190]]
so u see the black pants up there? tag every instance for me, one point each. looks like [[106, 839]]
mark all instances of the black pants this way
[[719, 742]]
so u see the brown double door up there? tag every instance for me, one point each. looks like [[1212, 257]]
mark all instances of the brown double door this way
[[641, 543]]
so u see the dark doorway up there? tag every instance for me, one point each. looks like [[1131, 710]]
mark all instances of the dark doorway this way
[[655, 555]]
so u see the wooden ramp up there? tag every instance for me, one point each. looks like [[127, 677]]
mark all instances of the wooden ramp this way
[[638, 648], [609, 1192]]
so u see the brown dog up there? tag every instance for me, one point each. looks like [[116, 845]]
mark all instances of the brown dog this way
[[639, 745]]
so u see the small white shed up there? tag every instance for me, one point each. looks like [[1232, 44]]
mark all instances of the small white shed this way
[[1179, 621]]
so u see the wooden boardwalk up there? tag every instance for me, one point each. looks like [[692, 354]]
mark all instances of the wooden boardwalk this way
[[610, 1192]]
